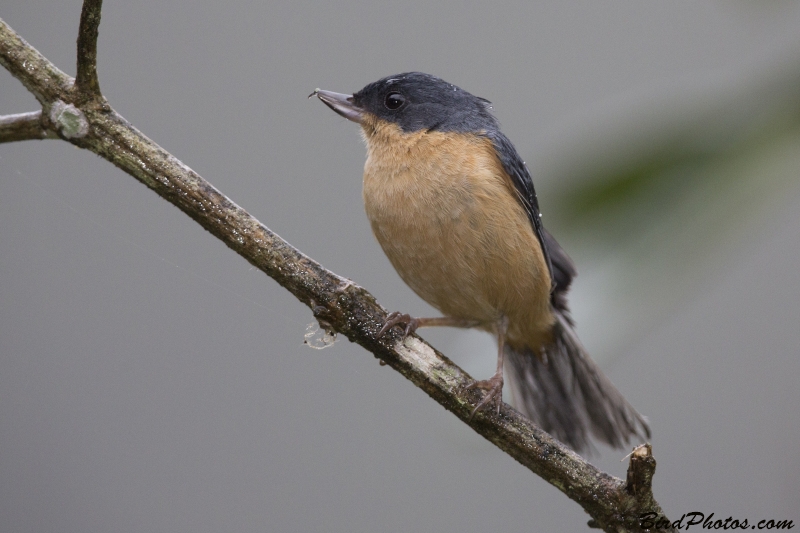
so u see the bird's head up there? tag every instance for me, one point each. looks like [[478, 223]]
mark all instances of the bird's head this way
[[414, 102]]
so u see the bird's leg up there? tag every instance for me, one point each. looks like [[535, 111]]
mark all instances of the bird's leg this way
[[413, 323], [494, 385]]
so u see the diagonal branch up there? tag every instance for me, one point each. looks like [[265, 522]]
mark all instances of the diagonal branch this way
[[24, 127], [338, 304], [42, 78]]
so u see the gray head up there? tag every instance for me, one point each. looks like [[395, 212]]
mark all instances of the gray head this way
[[415, 101]]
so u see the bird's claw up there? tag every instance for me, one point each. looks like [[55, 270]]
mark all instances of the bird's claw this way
[[494, 392], [397, 318]]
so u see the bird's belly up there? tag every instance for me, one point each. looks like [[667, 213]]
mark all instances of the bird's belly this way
[[460, 239], [436, 254]]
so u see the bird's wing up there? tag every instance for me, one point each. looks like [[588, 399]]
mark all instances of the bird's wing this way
[[561, 268], [563, 272]]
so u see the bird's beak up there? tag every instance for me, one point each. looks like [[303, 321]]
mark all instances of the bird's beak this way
[[341, 103]]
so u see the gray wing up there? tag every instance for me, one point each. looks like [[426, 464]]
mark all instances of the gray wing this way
[[561, 268]]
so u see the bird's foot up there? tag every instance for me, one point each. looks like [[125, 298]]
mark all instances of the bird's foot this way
[[494, 392], [398, 319]]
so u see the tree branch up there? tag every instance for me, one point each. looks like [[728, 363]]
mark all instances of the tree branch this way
[[24, 127], [337, 303], [86, 81], [46, 82]]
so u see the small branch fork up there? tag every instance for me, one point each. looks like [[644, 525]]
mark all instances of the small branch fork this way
[[75, 110]]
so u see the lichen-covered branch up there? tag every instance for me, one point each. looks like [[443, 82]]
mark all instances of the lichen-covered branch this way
[[337, 303]]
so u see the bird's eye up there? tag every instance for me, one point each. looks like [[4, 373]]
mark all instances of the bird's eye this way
[[394, 100]]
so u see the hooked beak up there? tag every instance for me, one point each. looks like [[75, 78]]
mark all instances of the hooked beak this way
[[341, 103]]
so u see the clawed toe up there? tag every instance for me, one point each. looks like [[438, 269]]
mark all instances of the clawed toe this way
[[494, 392], [396, 318]]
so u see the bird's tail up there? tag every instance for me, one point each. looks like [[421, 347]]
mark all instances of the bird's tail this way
[[565, 392]]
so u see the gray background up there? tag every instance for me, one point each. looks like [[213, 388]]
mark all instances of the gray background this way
[[150, 380]]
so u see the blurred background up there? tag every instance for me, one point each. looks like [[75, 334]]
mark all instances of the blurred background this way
[[151, 380]]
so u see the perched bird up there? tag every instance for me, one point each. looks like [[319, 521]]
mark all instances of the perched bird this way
[[452, 205]]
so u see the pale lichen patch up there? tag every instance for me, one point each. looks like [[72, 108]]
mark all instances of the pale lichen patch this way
[[69, 120], [418, 354]]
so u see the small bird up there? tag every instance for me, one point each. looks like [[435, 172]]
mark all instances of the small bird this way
[[453, 206]]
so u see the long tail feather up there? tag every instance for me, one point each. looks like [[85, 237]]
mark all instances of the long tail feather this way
[[565, 392]]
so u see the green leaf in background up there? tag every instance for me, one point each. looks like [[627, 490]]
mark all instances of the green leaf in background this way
[[651, 214]]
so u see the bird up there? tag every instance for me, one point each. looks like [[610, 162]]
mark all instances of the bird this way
[[453, 206]]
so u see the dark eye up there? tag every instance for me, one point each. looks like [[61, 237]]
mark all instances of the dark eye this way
[[394, 100]]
